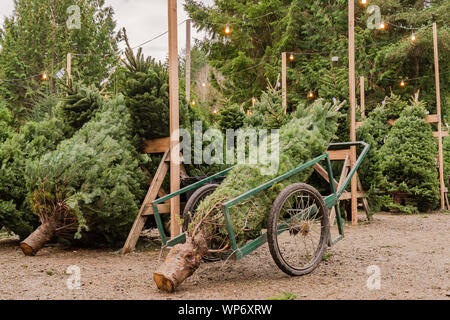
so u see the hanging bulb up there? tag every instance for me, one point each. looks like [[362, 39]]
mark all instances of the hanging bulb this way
[[253, 100], [227, 30], [402, 84], [193, 103], [363, 2], [413, 37], [44, 76], [292, 57], [382, 25], [215, 111], [203, 84], [311, 95], [249, 112]]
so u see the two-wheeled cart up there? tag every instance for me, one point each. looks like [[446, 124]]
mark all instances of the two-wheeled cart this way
[[298, 228]]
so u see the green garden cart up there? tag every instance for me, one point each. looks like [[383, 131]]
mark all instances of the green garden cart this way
[[298, 227]]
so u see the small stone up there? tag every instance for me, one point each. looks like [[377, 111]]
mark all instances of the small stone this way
[[304, 295]]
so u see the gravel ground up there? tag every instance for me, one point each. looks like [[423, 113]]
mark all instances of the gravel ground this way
[[412, 253]]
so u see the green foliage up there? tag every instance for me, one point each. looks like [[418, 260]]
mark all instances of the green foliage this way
[[36, 39], [5, 122], [284, 296], [304, 137], [94, 177], [34, 139], [231, 117], [316, 30], [407, 160], [80, 105], [268, 112], [446, 148], [145, 85]]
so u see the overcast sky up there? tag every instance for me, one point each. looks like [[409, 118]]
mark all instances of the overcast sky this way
[[143, 19]]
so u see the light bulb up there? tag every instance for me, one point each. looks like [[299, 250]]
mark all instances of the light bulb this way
[[310, 95], [402, 84], [227, 29], [382, 25], [193, 103], [249, 113], [413, 37], [44, 76], [363, 2], [291, 57], [253, 100]]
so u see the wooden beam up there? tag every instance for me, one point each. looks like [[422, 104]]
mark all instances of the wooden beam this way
[[174, 117], [352, 87], [151, 195], [162, 209], [155, 146], [432, 118], [438, 107], [284, 81], [188, 60], [363, 99], [69, 69], [344, 172], [338, 154], [440, 134], [324, 173]]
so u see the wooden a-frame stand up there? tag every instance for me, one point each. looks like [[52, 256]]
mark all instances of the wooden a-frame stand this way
[[154, 191]]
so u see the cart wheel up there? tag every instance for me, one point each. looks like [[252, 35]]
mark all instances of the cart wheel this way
[[191, 207], [298, 229]]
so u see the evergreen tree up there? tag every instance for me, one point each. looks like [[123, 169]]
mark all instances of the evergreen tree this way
[[90, 187], [408, 161], [36, 39], [231, 117]]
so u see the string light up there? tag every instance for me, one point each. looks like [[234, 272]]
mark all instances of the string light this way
[[44, 76], [253, 100], [227, 30], [311, 95], [249, 112], [363, 2], [193, 103], [203, 84], [413, 37], [382, 25], [292, 57], [215, 111], [402, 84]]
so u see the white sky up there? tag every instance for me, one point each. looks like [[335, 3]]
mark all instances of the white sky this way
[[143, 19]]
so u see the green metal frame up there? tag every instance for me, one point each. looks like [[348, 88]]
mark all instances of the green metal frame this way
[[330, 201]]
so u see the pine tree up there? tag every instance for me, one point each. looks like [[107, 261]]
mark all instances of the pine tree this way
[[230, 117], [33, 140], [407, 161], [90, 187]]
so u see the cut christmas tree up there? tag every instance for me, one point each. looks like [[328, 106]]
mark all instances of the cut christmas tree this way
[[304, 137]]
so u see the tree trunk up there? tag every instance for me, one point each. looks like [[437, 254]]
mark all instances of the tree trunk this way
[[35, 241], [181, 262]]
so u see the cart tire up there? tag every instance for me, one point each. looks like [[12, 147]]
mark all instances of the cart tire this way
[[194, 201], [284, 246]]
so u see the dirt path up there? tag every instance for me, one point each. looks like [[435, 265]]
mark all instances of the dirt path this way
[[412, 252]]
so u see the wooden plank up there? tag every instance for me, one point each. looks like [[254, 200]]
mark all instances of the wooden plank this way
[[323, 173], [352, 89], [442, 134], [432, 118], [174, 117], [359, 124], [344, 172], [155, 146], [363, 99], [364, 200], [69, 69], [188, 60], [338, 154], [152, 192], [438, 107], [284, 80], [162, 209], [348, 195]]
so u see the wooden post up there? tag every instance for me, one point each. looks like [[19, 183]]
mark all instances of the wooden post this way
[[69, 69], [188, 60], [174, 117], [438, 107], [363, 97], [283, 80], [352, 87]]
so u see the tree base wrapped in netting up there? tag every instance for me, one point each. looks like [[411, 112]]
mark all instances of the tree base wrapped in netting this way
[[303, 138]]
